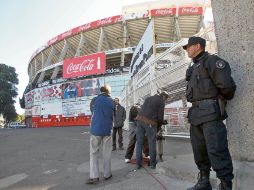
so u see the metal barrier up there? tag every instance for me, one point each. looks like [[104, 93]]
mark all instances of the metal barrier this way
[[166, 72]]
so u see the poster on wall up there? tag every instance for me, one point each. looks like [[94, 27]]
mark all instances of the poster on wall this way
[[71, 109], [51, 108], [82, 88], [47, 93], [29, 99], [36, 110]]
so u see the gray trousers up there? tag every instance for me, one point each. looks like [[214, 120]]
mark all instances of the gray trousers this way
[[97, 142]]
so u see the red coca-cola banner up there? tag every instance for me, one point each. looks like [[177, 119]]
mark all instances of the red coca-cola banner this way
[[190, 11], [85, 65], [88, 26], [163, 12]]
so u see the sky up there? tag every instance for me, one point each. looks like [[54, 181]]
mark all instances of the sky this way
[[28, 24]]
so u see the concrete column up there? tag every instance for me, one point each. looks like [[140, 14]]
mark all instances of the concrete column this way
[[64, 51], [234, 26]]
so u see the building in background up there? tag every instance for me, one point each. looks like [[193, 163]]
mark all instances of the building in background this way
[[67, 72]]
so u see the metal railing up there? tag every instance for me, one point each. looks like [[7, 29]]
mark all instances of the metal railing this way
[[164, 72]]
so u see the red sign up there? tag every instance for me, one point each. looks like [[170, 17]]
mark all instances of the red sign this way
[[88, 26], [163, 12], [190, 11], [85, 65]]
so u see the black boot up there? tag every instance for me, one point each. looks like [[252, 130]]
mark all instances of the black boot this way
[[225, 185], [203, 182]]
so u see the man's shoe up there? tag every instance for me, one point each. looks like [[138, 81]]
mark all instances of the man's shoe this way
[[107, 178], [113, 149], [121, 148], [203, 182], [225, 185], [92, 181], [127, 160]]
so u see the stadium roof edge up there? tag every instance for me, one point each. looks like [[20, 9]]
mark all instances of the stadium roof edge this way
[[107, 21]]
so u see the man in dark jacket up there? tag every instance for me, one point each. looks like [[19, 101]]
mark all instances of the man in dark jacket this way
[[149, 118], [209, 86], [119, 118], [101, 126]]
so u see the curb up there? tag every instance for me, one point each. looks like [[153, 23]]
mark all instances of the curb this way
[[182, 167]]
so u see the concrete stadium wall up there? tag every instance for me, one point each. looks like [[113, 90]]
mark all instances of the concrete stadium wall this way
[[234, 26]]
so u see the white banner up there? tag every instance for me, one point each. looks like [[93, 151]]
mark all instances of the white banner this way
[[131, 16], [71, 109], [143, 53], [29, 99], [36, 110], [51, 107]]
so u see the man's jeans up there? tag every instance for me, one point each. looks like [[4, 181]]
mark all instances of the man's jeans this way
[[132, 142], [150, 131]]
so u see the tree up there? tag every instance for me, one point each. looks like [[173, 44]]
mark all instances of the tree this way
[[21, 118], [10, 113], [8, 91]]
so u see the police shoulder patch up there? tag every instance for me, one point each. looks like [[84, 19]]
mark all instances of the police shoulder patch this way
[[220, 64]]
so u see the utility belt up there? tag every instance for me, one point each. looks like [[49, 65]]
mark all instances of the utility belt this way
[[206, 110], [206, 101]]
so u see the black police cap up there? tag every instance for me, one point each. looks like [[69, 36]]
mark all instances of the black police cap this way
[[195, 40]]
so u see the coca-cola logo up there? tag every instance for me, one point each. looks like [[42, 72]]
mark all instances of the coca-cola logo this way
[[104, 21], [85, 26], [68, 33], [190, 10], [86, 65], [164, 11], [47, 92], [118, 18]]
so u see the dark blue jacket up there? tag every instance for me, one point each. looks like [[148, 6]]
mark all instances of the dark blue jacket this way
[[102, 115]]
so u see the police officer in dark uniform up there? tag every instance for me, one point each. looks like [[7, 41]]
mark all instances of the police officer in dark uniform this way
[[209, 85]]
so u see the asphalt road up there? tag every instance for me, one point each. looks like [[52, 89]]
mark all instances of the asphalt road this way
[[58, 159]]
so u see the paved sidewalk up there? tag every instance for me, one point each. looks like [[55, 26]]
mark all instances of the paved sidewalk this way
[[183, 167], [58, 159], [179, 164]]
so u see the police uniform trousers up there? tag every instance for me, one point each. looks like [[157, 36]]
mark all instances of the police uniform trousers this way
[[210, 148], [97, 142]]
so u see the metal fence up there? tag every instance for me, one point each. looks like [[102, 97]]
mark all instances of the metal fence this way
[[166, 72]]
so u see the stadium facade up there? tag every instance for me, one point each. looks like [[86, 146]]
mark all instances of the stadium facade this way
[[67, 72]]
